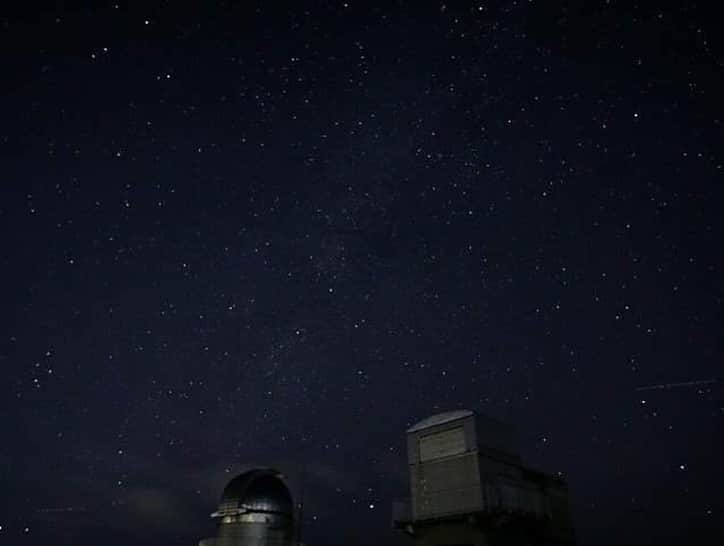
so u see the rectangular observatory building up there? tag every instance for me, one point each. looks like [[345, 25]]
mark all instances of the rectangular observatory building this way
[[446, 472], [468, 485]]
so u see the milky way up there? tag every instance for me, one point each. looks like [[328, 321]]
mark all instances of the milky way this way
[[279, 234]]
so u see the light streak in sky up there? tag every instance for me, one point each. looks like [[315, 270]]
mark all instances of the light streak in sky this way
[[666, 386], [61, 510]]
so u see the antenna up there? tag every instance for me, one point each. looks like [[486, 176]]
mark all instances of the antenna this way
[[300, 507]]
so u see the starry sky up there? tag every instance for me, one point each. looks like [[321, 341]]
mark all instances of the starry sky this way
[[280, 233]]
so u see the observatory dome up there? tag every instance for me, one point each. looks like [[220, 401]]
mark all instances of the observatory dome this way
[[256, 496], [256, 509]]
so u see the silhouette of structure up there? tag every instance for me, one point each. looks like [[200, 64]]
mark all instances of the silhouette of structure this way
[[469, 487], [256, 509]]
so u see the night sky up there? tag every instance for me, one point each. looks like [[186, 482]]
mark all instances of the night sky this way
[[281, 233]]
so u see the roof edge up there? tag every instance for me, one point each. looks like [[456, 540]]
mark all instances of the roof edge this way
[[439, 419]]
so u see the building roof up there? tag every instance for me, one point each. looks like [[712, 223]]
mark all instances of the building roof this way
[[260, 490], [439, 419]]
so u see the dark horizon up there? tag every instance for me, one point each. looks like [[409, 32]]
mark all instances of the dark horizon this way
[[280, 233]]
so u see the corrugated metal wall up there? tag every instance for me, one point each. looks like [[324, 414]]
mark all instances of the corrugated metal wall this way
[[446, 486]]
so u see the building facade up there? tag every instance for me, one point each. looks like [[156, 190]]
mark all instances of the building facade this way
[[469, 487]]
